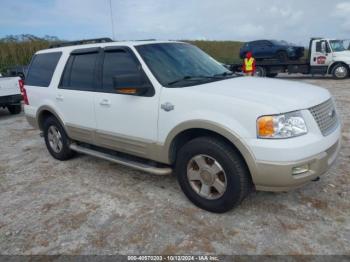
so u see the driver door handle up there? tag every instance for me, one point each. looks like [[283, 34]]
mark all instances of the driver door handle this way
[[105, 102]]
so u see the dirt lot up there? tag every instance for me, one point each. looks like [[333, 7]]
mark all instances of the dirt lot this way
[[90, 206]]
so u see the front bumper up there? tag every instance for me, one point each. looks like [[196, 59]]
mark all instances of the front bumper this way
[[279, 176], [275, 160]]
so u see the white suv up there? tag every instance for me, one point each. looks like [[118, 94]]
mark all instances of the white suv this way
[[168, 107]]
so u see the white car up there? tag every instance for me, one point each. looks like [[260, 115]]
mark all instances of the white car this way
[[168, 107], [10, 94]]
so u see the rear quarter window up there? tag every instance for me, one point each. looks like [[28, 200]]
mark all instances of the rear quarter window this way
[[42, 68]]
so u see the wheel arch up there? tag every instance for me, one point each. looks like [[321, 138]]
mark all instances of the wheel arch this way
[[332, 66], [45, 112], [193, 129]]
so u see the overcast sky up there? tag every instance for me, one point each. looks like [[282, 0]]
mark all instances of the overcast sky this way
[[291, 20]]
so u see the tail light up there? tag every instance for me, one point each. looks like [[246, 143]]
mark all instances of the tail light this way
[[23, 91]]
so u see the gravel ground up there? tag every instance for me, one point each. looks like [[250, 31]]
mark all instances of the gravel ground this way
[[91, 206]]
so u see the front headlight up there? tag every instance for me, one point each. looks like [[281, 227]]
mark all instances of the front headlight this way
[[281, 126]]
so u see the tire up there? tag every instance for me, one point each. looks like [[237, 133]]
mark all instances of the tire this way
[[229, 167], [340, 71], [260, 71], [14, 109], [56, 140], [272, 75], [282, 56]]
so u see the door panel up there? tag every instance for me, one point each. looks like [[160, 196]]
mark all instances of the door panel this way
[[125, 123], [77, 111], [319, 58], [75, 96]]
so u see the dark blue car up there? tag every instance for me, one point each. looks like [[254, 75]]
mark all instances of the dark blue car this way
[[272, 49]]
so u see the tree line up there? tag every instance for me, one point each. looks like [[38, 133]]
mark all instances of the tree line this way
[[18, 50]]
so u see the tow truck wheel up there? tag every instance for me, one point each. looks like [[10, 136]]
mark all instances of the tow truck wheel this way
[[340, 71], [260, 71], [271, 75]]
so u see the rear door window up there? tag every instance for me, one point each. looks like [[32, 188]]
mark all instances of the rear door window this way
[[80, 72], [42, 68]]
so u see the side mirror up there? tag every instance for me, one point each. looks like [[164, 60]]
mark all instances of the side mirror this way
[[323, 48], [131, 84]]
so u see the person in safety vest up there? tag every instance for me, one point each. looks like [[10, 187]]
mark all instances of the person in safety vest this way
[[249, 64]]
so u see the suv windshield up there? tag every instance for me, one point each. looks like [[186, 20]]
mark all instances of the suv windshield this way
[[339, 45], [181, 64]]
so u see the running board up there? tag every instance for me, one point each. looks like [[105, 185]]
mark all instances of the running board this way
[[161, 171]]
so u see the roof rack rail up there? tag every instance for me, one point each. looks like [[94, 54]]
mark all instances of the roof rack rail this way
[[83, 42], [152, 39]]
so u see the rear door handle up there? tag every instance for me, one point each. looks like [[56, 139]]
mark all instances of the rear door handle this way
[[59, 97], [105, 102]]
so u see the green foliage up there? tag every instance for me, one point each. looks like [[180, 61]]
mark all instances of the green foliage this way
[[18, 50], [224, 51]]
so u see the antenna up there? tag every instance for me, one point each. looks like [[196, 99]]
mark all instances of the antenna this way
[[110, 8]]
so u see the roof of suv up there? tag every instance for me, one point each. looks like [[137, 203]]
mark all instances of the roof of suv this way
[[120, 43]]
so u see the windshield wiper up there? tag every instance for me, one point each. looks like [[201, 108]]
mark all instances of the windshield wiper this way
[[223, 74], [191, 78]]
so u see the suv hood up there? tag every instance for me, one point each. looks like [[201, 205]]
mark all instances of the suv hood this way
[[283, 95]]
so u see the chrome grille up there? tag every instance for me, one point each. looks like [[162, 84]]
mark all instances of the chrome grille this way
[[325, 116]]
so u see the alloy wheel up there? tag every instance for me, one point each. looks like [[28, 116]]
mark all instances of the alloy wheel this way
[[206, 177]]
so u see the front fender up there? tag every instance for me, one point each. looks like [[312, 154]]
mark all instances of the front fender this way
[[219, 129]]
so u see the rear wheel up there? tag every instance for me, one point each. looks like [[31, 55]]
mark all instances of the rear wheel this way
[[14, 109], [340, 71], [212, 174], [260, 71], [56, 139]]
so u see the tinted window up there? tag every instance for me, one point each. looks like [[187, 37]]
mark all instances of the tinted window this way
[[79, 73], [118, 63], [318, 47], [42, 68], [266, 43]]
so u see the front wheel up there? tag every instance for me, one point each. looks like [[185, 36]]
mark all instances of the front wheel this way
[[212, 174], [340, 71]]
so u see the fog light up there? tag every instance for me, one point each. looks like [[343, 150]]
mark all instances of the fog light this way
[[300, 169]]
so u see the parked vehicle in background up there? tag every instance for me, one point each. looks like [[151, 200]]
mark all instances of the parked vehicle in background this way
[[325, 57], [10, 94], [269, 49], [163, 107], [19, 70]]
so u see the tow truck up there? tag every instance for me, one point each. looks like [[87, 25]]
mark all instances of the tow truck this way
[[325, 57]]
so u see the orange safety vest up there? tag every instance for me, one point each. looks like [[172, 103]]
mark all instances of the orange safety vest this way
[[249, 64]]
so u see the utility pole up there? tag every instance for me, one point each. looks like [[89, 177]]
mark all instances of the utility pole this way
[[111, 12]]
